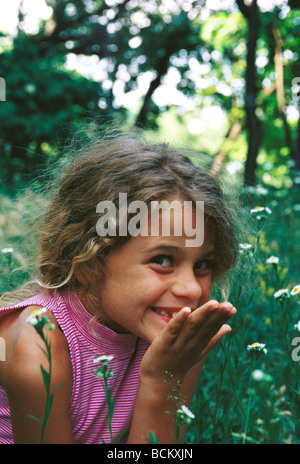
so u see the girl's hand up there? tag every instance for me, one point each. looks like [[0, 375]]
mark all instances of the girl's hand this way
[[180, 349], [185, 340]]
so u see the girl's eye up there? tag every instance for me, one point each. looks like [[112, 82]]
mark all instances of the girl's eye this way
[[204, 266], [162, 260]]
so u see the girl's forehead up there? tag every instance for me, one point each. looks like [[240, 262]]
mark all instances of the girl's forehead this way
[[176, 218], [180, 243]]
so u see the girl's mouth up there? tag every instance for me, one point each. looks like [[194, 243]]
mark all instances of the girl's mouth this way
[[166, 313]]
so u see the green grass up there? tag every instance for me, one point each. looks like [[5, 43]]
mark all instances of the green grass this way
[[221, 403], [230, 404]]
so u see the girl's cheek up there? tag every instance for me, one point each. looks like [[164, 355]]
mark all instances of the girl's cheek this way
[[156, 285]]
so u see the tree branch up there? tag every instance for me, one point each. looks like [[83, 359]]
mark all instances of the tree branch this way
[[244, 9]]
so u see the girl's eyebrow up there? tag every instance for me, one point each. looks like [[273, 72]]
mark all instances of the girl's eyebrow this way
[[170, 248]]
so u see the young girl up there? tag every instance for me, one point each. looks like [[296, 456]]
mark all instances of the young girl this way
[[143, 299]]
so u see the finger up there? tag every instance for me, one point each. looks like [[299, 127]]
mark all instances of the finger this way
[[174, 327], [209, 317], [202, 326], [225, 329]]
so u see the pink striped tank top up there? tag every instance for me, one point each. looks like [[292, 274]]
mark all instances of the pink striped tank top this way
[[88, 339]]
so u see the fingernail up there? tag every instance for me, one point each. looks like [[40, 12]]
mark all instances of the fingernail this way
[[214, 306], [187, 309]]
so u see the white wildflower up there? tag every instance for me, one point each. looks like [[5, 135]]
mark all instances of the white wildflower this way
[[258, 374], [281, 294], [33, 318], [187, 412], [103, 358], [260, 212], [272, 260], [257, 209], [257, 348], [184, 415], [245, 246], [7, 250], [297, 326], [295, 290]]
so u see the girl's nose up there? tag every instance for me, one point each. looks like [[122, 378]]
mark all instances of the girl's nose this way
[[187, 286]]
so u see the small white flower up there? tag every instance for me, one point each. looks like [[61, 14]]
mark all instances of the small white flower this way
[[257, 348], [258, 374], [103, 358], [245, 246], [295, 290], [272, 260], [185, 415], [7, 250], [187, 412], [33, 318], [297, 326], [262, 212], [257, 209], [282, 293]]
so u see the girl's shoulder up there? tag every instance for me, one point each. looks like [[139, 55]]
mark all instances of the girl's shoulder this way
[[24, 348]]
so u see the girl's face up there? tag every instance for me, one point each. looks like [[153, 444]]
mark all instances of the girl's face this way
[[150, 278]]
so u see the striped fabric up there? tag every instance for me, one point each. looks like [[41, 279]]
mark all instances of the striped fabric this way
[[88, 339]]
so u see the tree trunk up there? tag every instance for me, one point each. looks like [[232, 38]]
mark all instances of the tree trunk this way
[[142, 116], [254, 125], [221, 155], [280, 93], [161, 70]]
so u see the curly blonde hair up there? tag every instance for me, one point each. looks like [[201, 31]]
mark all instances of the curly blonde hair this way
[[69, 247]]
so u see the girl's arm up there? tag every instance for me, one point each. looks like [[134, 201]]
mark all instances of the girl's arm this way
[[180, 349], [154, 412], [23, 383]]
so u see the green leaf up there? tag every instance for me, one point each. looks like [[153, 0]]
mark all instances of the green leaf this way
[[46, 378], [121, 434], [35, 418], [48, 409]]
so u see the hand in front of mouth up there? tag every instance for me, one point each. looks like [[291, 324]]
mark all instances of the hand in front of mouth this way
[[186, 339]]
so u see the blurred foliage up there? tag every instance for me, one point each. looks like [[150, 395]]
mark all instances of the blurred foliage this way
[[155, 64], [42, 101]]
